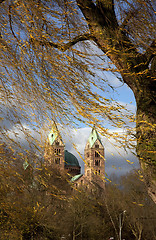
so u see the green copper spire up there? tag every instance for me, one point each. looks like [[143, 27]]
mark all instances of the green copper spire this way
[[93, 137], [54, 133]]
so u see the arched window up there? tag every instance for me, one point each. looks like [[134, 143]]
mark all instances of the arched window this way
[[97, 154], [57, 151], [96, 146], [87, 154], [97, 162]]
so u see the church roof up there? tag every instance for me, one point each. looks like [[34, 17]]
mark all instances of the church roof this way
[[93, 137], [70, 159], [76, 177]]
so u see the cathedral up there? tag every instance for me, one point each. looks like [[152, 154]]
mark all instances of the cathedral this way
[[94, 162]]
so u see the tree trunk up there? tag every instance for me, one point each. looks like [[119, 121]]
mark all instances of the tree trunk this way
[[146, 136]]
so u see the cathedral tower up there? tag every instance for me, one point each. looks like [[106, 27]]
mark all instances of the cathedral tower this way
[[94, 159], [54, 151], [55, 154]]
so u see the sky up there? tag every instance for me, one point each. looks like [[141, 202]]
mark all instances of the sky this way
[[116, 158]]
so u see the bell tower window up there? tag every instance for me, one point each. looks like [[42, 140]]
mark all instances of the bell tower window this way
[[57, 151], [97, 162], [97, 154]]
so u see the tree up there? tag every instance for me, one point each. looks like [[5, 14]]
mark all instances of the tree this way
[[87, 216], [130, 194], [38, 42], [140, 216], [32, 201]]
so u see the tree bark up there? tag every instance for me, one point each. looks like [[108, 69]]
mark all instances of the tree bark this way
[[146, 137]]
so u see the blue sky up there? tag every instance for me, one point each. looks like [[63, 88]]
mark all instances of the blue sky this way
[[124, 94]]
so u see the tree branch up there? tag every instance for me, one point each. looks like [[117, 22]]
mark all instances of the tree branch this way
[[102, 13], [65, 46], [88, 8], [106, 5], [87, 5], [10, 22], [150, 52], [130, 15], [107, 9]]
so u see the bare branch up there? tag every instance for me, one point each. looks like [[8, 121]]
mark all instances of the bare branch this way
[[64, 47]]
